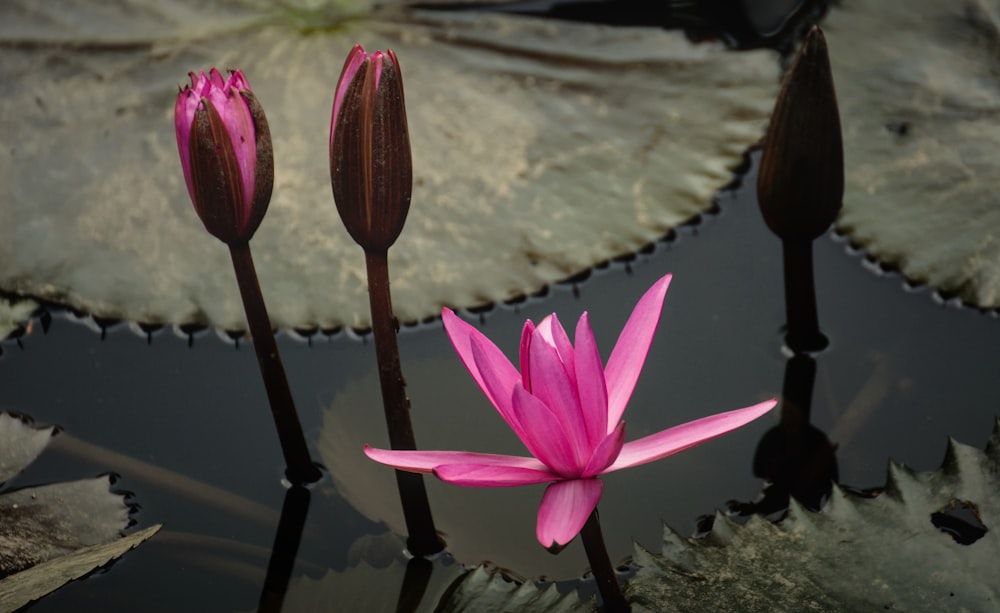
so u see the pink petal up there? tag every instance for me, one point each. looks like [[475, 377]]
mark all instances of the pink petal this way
[[496, 385], [555, 334], [685, 436], [355, 59], [427, 461], [606, 452], [544, 436], [630, 351], [184, 109], [524, 356], [506, 376], [551, 384], [239, 123], [490, 475], [566, 506], [590, 384]]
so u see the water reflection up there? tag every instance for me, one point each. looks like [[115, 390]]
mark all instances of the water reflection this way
[[285, 549], [795, 458]]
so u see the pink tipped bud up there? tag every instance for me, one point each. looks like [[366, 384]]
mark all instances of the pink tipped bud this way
[[225, 150], [370, 166]]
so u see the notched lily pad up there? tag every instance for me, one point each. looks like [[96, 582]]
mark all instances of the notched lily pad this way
[[52, 534], [857, 554], [18, 590], [13, 316], [540, 149], [488, 589], [20, 443], [920, 103]]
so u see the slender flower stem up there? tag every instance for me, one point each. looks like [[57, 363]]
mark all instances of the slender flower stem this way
[[300, 467], [423, 539], [600, 565], [800, 298]]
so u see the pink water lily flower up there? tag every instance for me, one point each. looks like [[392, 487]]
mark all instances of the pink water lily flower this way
[[566, 408]]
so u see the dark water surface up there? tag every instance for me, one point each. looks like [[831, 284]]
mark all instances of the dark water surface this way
[[196, 445]]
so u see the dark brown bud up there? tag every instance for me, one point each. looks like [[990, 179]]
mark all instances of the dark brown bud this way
[[370, 165], [800, 187]]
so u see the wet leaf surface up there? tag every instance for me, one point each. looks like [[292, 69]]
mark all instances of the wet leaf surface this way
[[919, 101], [540, 149], [52, 534], [857, 554], [20, 443], [20, 589]]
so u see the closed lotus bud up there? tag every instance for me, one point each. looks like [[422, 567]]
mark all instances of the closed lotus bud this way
[[800, 186], [370, 166], [225, 149]]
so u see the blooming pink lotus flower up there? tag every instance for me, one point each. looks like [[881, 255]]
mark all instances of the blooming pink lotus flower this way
[[371, 169], [225, 148], [566, 408]]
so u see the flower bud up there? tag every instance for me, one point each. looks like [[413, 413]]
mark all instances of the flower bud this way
[[800, 187], [370, 166], [225, 149]]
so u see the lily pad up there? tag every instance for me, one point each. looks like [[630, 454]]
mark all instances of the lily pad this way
[[20, 443], [920, 102], [857, 554], [52, 534], [20, 589], [540, 149], [12, 317], [488, 589]]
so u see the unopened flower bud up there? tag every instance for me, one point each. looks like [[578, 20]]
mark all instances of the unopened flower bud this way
[[225, 149], [800, 187], [370, 166]]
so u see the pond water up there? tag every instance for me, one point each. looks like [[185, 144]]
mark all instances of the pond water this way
[[185, 424]]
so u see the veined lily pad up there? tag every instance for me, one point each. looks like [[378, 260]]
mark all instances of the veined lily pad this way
[[855, 555], [540, 149], [919, 101], [52, 534]]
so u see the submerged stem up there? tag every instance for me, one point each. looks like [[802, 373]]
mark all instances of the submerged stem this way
[[300, 468], [423, 539], [600, 565]]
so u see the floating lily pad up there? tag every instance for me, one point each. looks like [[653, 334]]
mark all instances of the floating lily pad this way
[[540, 149], [919, 102], [20, 589], [52, 534], [20, 443], [12, 317], [488, 589], [857, 554]]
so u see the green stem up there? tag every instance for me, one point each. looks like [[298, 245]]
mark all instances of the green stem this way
[[423, 539], [600, 565], [300, 468]]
